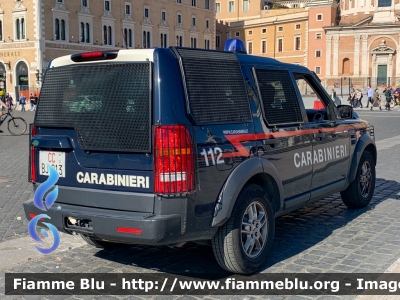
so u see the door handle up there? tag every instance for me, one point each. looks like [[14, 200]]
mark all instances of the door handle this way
[[319, 135]]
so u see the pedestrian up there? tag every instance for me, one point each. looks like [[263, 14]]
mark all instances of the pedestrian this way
[[3, 100], [22, 101], [359, 96], [352, 97], [9, 101], [32, 102], [388, 95], [376, 99], [35, 102], [370, 94]]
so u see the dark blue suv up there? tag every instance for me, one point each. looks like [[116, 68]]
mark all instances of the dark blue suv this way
[[166, 146]]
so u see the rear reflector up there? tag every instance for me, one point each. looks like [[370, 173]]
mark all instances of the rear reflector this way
[[33, 157], [129, 230], [174, 160], [96, 55], [34, 215]]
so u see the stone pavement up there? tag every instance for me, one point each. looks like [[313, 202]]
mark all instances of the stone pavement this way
[[325, 236]]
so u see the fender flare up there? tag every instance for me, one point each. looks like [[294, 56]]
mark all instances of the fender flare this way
[[235, 183], [364, 142]]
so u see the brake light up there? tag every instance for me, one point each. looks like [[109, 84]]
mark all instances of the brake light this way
[[95, 55], [33, 157], [173, 160]]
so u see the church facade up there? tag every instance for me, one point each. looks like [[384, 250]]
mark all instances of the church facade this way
[[365, 44]]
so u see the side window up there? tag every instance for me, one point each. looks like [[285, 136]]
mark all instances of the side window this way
[[279, 97], [309, 95]]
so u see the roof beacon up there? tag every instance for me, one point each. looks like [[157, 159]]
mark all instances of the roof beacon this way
[[235, 45]]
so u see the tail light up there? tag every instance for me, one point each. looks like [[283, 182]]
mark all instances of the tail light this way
[[173, 160], [33, 157]]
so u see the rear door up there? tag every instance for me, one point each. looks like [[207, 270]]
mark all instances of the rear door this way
[[93, 124], [284, 138]]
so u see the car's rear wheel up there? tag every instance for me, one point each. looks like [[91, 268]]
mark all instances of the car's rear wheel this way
[[243, 243], [359, 193], [97, 243]]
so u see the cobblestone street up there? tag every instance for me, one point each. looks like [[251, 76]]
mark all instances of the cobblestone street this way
[[324, 236]]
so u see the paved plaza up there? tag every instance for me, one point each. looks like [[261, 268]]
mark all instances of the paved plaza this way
[[325, 236]]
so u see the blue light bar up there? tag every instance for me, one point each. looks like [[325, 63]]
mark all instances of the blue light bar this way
[[235, 45]]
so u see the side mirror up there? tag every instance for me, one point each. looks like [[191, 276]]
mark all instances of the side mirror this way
[[345, 112]]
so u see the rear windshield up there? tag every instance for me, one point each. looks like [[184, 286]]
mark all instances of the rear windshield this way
[[108, 104]]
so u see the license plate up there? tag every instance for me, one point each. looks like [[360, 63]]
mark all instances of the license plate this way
[[54, 159]]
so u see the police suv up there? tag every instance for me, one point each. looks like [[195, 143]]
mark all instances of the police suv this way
[[169, 145]]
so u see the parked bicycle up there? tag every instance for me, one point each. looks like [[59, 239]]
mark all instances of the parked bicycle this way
[[16, 125]]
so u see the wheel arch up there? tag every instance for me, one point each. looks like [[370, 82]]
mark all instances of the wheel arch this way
[[365, 143], [257, 171]]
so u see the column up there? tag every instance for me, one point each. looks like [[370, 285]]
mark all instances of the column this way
[[328, 55], [356, 70], [398, 60], [364, 62], [335, 55]]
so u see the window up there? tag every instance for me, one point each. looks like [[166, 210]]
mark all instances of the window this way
[[194, 3], [250, 32], [84, 3], [297, 43], [163, 16], [59, 1], [298, 26], [384, 3], [127, 9], [280, 44], [178, 1], [237, 33], [63, 30], [163, 40], [128, 37], [231, 6], [207, 4], [263, 46], [318, 53], [20, 29], [57, 29], [107, 5], [82, 32], [193, 42], [146, 39], [250, 47], [146, 12], [317, 70], [207, 24], [179, 41], [218, 41], [107, 35], [87, 26], [206, 44], [245, 5], [278, 96], [179, 19], [308, 92], [217, 7], [295, 5], [193, 21], [280, 28], [318, 36], [1, 30], [263, 30], [319, 17]]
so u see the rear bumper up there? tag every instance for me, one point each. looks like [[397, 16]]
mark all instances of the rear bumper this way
[[155, 230]]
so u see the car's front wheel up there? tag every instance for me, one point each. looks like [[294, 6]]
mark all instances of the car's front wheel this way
[[359, 193], [243, 243]]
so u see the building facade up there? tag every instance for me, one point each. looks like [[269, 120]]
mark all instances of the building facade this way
[[290, 31], [365, 45], [33, 32]]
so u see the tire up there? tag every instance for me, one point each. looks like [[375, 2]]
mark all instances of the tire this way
[[17, 126], [360, 191], [97, 243], [230, 241], [392, 103]]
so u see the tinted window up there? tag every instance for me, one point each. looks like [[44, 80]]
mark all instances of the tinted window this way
[[279, 97]]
